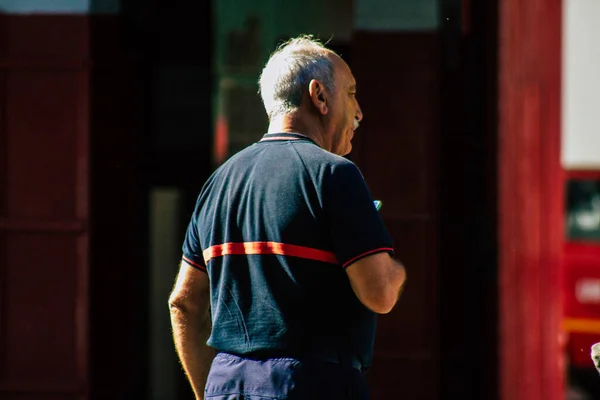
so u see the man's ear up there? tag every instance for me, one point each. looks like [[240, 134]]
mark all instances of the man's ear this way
[[318, 97]]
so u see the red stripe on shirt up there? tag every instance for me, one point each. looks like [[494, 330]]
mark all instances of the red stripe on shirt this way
[[247, 248], [194, 264], [366, 254]]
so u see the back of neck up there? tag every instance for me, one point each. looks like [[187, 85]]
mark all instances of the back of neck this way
[[291, 123]]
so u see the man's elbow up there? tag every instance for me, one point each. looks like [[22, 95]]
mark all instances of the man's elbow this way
[[179, 304], [175, 306], [387, 298], [384, 304]]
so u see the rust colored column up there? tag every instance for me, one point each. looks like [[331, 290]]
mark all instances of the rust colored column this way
[[531, 200]]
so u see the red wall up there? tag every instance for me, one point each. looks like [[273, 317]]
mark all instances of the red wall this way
[[67, 211], [530, 200], [44, 216]]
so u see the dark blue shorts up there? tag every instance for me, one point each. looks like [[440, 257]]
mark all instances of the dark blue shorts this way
[[232, 377]]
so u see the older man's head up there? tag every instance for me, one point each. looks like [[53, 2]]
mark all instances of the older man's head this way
[[313, 89]]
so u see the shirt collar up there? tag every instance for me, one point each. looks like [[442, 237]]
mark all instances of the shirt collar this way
[[283, 136]]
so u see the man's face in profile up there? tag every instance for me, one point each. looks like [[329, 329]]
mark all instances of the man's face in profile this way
[[344, 108]]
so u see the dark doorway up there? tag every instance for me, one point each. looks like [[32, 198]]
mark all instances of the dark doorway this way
[[468, 205], [152, 80]]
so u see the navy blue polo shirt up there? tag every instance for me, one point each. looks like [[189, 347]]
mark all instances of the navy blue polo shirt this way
[[275, 227]]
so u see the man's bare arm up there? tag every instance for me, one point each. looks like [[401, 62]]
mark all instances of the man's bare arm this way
[[189, 305], [378, 281]]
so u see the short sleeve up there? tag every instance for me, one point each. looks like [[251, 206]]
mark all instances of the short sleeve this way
[[192, 251], [356, 227]]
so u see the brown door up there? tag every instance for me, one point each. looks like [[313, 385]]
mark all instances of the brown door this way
[[43, 207], [396, 149], [427, 149]]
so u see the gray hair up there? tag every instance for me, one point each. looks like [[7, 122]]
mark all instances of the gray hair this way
[[289, 71]]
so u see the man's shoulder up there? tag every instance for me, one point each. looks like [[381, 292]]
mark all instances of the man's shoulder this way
[[241, 155], [329, 168], [223, 170], [321, 157]]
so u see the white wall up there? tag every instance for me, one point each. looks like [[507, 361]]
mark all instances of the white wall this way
[[581, 85]]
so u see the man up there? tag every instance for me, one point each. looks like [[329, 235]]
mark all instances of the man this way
[[286, 250]]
